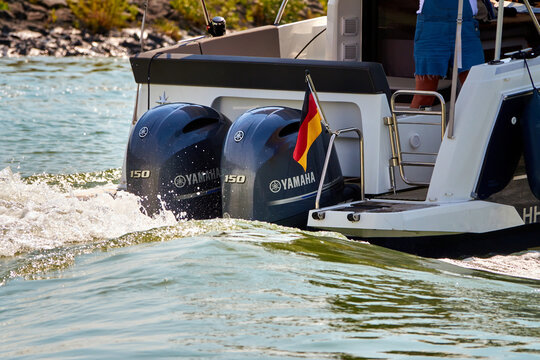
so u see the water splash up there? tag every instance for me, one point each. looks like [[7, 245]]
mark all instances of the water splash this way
[[47, 220], [47, 212]]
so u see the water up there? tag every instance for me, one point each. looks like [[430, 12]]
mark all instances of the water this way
[[92, 277], [66, 115]]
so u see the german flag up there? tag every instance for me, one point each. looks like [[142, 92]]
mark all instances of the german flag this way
[[310, 128]]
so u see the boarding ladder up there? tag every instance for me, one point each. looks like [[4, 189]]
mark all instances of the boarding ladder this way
[[395, 143]]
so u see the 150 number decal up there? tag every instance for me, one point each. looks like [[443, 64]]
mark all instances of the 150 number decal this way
[[139, 174], [235, 179]]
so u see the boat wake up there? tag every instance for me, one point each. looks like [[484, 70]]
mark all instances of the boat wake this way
[[46, 221], [46, 212], [524, 265]]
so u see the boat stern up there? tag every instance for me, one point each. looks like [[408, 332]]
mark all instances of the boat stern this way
[[389, 218]]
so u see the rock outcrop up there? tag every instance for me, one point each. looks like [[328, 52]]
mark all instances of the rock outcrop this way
[[48, 27], [45, 27], [72, 42]]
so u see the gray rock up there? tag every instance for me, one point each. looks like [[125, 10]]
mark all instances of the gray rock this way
[[36, 16], [26, 35], [38, 40], [54, 3], [17, 9], [64, 16], [38, 28], [6, 14], [35, 7], [6, 30]]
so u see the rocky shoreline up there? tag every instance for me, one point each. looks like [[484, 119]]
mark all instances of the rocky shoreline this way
[[46, 28], [49, 28], [73, 42]]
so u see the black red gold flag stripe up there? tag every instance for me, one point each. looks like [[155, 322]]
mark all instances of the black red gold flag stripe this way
[[310, 128]]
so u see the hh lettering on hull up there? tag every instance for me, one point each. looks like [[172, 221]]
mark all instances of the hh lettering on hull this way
[[531, 214]]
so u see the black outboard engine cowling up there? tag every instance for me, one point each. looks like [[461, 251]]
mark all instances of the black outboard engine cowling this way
[[260, 178], [173, 159]]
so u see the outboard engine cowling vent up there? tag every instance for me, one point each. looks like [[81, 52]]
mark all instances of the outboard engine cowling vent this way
[[173, 160], [260, 178]]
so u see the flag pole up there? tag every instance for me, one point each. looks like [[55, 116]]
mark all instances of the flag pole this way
[[316, 97]]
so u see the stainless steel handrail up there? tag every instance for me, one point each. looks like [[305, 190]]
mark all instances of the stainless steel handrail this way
[[442, 113], [531, 12], [141, 39], [456, 66], [327, 159], [280, 12], [395, 141], [205, 13], [498, 34]]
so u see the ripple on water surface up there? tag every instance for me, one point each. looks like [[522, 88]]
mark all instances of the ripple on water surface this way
[[77, 109], [236, 289]]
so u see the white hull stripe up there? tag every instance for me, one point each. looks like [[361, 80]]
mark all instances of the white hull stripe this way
[[304, 196]]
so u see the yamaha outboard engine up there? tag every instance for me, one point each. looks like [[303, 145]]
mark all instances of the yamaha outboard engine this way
[[173, 159], [260, 178]]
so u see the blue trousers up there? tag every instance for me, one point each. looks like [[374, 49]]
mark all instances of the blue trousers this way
[[435, 37]]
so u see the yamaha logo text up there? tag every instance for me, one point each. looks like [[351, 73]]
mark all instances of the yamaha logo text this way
[[196, 178], [293, 182]]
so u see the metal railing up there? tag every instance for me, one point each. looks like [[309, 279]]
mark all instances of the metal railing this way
[[533, 16], [327, 159], [280, 12], [395, 141]]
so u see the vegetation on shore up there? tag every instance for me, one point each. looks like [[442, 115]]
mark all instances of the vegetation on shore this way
[[101, 16], [110, 27], [243, 13]]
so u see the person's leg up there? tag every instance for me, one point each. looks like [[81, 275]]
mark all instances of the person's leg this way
[[425, 82], [463, 76]]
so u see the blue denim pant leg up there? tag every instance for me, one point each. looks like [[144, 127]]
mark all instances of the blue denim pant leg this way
[[472, 52], [434, 46]]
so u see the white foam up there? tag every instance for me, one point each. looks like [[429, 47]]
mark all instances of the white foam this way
[[40, 216], [525, 265]]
